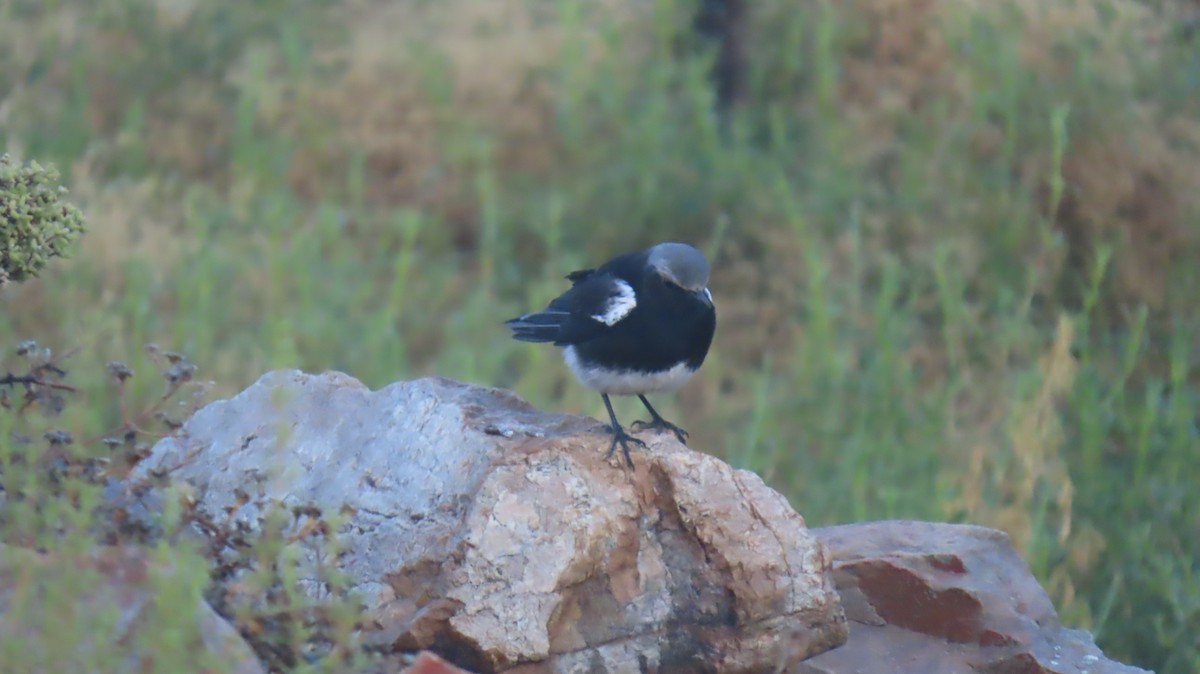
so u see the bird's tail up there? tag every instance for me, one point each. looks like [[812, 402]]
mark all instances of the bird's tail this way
[[539, 326]]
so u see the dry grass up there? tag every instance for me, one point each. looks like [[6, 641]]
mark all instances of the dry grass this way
[[1131, 171]]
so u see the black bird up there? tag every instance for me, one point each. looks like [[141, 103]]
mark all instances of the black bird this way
[[639, 323]]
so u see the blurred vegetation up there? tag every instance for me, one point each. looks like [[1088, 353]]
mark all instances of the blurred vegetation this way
[[102, 570], [956, 244]]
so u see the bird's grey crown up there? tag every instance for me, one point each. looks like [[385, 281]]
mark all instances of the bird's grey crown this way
[[680, 263]]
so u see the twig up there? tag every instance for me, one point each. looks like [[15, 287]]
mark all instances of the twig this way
[[30, 380]]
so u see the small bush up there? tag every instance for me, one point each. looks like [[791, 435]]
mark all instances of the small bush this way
[[35, 223]]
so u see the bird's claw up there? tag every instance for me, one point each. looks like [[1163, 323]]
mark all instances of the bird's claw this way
[[661, 425], [623, 438]]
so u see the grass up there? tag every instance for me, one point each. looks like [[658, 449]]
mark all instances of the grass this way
[[955, 244]]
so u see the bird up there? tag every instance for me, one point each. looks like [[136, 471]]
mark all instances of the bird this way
[[640, 323]]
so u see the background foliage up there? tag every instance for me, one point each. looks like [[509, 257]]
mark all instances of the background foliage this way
[[956, 243]]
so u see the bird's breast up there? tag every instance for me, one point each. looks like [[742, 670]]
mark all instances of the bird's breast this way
[[617, 381]]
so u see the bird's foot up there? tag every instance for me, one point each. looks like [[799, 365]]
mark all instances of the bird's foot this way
[[619, 436], [660, 424]]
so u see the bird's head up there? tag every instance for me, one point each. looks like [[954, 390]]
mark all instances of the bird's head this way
[[682, 265]]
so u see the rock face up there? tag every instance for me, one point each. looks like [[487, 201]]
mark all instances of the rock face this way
[[926, 597], [86, 612], [502, 538], [429, 663]]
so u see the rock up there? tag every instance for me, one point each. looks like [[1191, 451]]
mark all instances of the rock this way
[[429, 663], [927, 597], [502, 538], [111, 609]]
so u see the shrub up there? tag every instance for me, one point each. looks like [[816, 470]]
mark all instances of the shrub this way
[[35, 223]]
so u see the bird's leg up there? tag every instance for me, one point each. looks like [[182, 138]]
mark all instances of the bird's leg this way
[[656, 421], [619, 434]]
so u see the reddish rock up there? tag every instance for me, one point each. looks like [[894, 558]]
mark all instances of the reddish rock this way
[[429, 663], [927, 597]]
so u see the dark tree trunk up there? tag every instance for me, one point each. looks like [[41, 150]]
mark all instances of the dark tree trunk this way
[[724, 22]]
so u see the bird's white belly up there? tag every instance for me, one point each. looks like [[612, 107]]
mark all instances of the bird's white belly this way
[[626, 382]]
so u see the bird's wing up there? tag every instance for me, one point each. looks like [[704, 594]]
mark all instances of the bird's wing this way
[[577, 276], [595, 303]]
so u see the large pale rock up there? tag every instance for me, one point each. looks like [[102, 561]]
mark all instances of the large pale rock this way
[[110, 609], [502, 538], [928, 597]]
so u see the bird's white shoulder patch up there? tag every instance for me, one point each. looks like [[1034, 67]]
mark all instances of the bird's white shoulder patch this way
[[622, 301]]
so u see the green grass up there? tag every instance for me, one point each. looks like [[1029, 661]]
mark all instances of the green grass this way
[[954, 268]]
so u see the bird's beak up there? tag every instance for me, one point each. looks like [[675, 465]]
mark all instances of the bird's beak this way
[[704, 296]]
